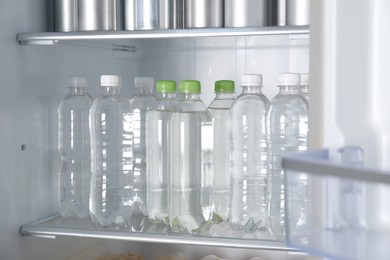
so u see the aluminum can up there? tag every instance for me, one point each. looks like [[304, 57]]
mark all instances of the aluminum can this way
[[120, 15], [246, 13], [97, 15], [129, 14], [203, 13], [277, 12], [297, 12], [178, 13], [146, 14], [65, 15]]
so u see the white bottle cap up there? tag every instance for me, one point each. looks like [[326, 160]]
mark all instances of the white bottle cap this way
[[143, 82], [110, 81], [252, 80], [78, 81], [289, 79], [305, 79]]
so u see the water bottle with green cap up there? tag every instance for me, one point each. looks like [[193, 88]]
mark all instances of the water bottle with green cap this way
[[190, 184], [157, 151], [220, 111]]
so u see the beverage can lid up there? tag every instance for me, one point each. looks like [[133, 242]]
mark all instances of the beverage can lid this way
[[226, 86], [110, 81], [289, 79], [252, 80], [144, 82], [78, 81], [190, 86], [166, 86]]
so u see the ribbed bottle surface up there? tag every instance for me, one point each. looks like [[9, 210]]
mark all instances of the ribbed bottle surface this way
[[190, 190], [157, 152], [74, 148], [287, 127], [249, 157], [140, 104], [220, 112], [111, 143]]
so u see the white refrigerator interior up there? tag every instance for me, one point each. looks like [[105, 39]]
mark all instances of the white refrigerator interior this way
[[34, 80], [350, 89]]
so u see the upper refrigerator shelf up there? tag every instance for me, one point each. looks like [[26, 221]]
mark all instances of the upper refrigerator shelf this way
[[50, 38]]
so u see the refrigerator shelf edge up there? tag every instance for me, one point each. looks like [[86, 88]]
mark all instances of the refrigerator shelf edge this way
[[316, 162], [47, 228], [51, 38]]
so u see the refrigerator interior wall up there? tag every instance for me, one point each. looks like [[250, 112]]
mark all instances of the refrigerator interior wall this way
[[34, 80], [350, 84]]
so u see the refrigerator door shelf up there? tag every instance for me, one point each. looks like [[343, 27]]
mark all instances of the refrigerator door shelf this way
[[50, 38], [335, 205]]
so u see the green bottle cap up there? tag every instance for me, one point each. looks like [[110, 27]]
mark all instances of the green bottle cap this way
[[166, 86], [226, 86], [189, 86]]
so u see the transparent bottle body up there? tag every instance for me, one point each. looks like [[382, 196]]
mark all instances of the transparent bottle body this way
[[157, 156], [287, 127], [249, 161], [111, 143], [140, 104], [190, 184], [220, 113], [74, 148]]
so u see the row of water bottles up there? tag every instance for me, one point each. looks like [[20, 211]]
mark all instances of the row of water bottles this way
[[179, 163]]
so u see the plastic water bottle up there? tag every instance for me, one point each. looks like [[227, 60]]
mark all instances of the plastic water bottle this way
[[305, 86], [140, 104], [287, 128], [157, 151], [220, 113], [190, 184], [74, 148], [249, 157], [111, 140]]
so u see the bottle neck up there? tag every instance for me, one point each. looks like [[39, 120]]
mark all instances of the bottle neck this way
[[305, 89], [224, 95], [78, 90], [189, 97], [109, 90], [144, 91], [160, 95], [289, 90], [251, 89]]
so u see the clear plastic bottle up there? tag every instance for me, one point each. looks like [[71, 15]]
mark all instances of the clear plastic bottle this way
[[287, 128], [111, 139], [157, 151], [140, 104], [190, 184], [305, 86], [249, 157], [74, 148], [220, 112]]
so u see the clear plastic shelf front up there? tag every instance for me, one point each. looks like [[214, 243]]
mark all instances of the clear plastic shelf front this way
[[336, 207]]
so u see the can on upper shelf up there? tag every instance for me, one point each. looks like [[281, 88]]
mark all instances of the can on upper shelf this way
[[65, 15], [203, 13], [153, 14], [97, 15], [246, 13]]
